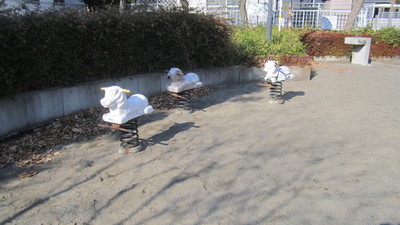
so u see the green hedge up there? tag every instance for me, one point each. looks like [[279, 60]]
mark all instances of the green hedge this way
[[65, 47], [326, 43], [253, 42], [331, 43]]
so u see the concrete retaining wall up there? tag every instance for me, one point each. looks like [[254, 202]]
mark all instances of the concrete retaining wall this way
[[28, 110]]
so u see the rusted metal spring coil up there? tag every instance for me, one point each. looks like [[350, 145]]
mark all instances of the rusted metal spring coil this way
[[129, 137], [275, 91], [182, 99]]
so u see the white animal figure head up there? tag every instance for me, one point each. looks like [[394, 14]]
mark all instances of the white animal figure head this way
[[271, 68], [174, 74], [276, 73], [114, 97], [123, 109], [181, 82]]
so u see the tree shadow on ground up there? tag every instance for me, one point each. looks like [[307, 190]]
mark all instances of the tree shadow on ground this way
[[45, 199], [233, 93]]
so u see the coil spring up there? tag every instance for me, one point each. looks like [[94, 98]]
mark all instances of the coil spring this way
[[129, 139], [275, 91], [183, 103]]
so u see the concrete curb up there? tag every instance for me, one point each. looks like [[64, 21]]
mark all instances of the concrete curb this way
[[28, 110]]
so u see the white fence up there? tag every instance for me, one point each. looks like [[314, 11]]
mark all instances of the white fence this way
[[379, 23], [315, 15], [322, 19], [386, 19], [320, 16], [324, 16], [44, 4], [306, 15]]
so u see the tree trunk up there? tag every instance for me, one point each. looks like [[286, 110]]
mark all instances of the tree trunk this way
[[122, 5], [355, 9], [185, 5], [243, 13], [391, 11]]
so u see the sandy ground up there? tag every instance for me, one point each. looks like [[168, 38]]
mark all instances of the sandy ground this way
[[329, 155]]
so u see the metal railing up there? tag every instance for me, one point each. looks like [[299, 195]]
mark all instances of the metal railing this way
[[227, 11], [42, 5], [319, 16], [314, 18], [308, 15], [143, 5], [378, 23], [321, 19]]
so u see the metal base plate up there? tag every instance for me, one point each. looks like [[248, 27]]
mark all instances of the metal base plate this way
[[183, 111], [130, 150], [276, 101]]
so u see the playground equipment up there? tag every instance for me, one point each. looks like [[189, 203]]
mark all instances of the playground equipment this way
[[124, 114], [274, 77], [180, 86]]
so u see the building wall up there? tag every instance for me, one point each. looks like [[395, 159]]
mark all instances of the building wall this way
[[337, 5], [377, 1], [197, 3]]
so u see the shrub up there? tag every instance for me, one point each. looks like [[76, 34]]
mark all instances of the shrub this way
[[326, 43], [381, 49], [296, 60], [287, 42], [384, 42], [331, 43], [253, 42], [65, 47], [390, 35]]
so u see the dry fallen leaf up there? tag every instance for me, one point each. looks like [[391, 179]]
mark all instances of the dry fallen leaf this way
[[27, 174], [77, 130], [33, 147], [165, 101]]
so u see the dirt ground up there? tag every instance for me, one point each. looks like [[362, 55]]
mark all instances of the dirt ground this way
[[329, 155]]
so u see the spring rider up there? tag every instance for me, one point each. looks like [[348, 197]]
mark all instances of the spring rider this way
[[123, 116], [180, 86], [274, 77]]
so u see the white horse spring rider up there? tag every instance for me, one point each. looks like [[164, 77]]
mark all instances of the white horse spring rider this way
[[181, 82], [276, 73], [123, 109]]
